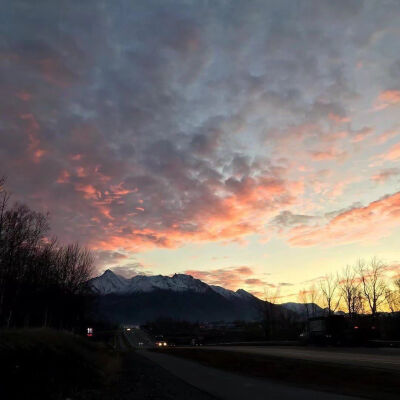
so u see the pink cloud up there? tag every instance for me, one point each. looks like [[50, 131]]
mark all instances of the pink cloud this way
[[35, 150], [372, 222], [328, 154], [385, 136], [393, 153], [230, 278], [361, 135], [387, 98], [64, 177], [340, 119]]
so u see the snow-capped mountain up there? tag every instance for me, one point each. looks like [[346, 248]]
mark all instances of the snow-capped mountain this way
[[111, 283], [305, 310], [309, 309], [144, 298]]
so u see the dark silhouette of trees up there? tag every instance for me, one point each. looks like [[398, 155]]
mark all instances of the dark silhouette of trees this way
[[329, 293], [349, 285], [41, 282], [309, 298], [373, 283]]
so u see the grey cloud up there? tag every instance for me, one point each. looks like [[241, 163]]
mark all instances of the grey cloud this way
[[130, 270], [158, 96], [288, 219]]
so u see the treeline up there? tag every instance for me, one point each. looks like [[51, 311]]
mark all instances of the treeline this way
[[42, 283], [361, 292], [363, 288]]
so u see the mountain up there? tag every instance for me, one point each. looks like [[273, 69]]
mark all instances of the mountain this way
[[145, 298], [303, 310], [309, 309]]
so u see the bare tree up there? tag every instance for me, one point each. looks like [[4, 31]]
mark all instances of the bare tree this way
[[392, 299], [313, 298], [309, 297], [349, 286], [41, 282], [373, 283], [392, 296], [303, 299], [270, 311], [330, 293]]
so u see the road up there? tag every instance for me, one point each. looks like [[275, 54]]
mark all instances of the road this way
[[229, 386], [138, 338], [374, 358]]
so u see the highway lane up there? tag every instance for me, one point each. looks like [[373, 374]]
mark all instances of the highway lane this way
[[138, 338], [230, 386], [372, 358]]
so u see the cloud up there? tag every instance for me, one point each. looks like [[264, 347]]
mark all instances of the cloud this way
[[361, 135], [130, 270], [328, 154], [286, 219], [106, 258], [352, 225], [230, 278], [386, 99], [385, 175], [393, 153], [202, 131]]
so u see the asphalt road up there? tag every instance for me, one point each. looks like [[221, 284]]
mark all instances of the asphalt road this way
[[373, 358], [229, 386], [138, 338]]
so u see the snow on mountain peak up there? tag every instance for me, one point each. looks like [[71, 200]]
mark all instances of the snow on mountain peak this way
[[243, 294], [229, 294], [111, 283]]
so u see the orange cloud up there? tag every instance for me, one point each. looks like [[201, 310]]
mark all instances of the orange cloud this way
[[89, 191], [64, 177], [338, 118], [230, 278], [245, 209], [393, 153], [329, 154], [387, 98], [372, 222]]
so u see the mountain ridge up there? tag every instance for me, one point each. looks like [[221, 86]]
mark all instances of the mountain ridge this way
[[111, 283], [144, 298]]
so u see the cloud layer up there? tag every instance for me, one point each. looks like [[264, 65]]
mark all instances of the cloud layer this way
[[153, 124]]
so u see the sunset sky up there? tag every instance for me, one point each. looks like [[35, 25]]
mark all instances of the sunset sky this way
[[252, 144]]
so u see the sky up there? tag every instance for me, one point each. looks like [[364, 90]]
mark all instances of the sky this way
[[251, 144]]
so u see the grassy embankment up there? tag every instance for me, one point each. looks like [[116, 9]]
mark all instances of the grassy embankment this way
[[350, 380], [48, 364]]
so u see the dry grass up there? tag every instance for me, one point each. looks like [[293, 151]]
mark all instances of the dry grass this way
[[48, 364]]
